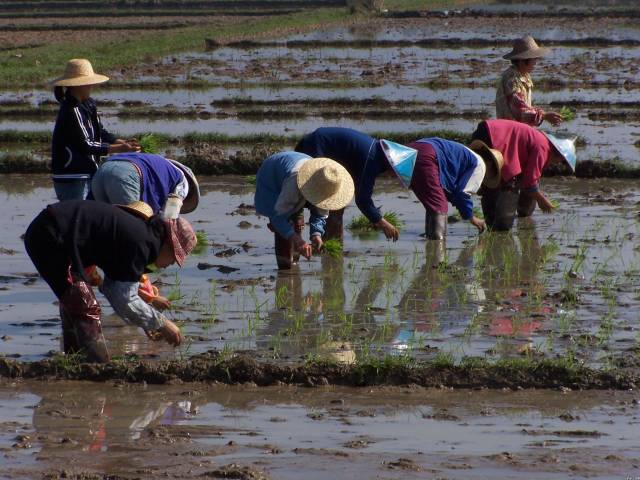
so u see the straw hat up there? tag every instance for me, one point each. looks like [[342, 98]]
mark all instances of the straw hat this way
[[139, 209], [325, 183], [78, 72], [489, 155], [525, 48], [190, 203]]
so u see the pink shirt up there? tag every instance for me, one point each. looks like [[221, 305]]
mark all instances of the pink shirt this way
[[525, 149]]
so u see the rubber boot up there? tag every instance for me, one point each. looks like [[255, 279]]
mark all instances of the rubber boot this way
[[499, 208], [298, 226], [334, 227], [526, 205], [435, 225], [81, 327]]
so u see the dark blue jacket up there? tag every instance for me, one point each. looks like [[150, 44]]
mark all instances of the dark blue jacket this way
[[79, 140], [359, 153]]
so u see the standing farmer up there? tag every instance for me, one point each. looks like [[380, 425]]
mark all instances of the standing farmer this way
[[365, 158], [514, 93], [286, 183], [79, 139], [68, 236], [526, 152], [447, 171]]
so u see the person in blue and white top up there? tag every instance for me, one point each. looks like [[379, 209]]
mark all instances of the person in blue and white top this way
[[289, 181]]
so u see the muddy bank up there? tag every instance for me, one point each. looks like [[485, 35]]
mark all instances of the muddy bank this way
[[211, 367], [559, 13]]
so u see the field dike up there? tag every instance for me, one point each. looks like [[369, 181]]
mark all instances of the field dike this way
[[237, 369]]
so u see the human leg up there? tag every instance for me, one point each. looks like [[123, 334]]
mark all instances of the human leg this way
[[117, 183], [71, 189]]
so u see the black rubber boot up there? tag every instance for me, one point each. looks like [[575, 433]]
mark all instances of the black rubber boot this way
[[435, 225], [334, 227]]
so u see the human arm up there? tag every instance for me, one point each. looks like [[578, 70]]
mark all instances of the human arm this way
[[317, 223], [124, 298]]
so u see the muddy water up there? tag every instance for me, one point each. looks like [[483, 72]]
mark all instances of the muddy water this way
[[331, 432], [562, 284]]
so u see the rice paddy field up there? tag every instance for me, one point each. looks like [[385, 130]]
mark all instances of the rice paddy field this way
[[500, 355]]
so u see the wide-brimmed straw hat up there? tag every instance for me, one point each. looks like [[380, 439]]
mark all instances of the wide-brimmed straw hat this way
[[78, 72], [325, 183], [190, 203], [525, 48], [139, 209], [182, 237], [489, 155]]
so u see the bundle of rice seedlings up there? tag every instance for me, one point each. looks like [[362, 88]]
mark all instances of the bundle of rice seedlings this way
[[148, 143], [332, 247], [362, 223], [567, 114], [555, 203], [201, 244], [250, 179]]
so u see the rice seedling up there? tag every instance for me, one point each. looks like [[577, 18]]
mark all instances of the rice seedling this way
[[201, 244], [362, 223], [567, 114], [149, 143], [250, 179], [332, 247]]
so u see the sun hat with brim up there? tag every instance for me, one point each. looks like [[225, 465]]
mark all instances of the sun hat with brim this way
[[525, 48], [78, 72], [139, 209], [182, 237], [566, 146], [489, 155], [325, 183], [190, 203], [401, 158]]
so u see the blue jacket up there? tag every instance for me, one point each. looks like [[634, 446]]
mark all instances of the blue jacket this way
[[274, 171], [359, 153], [79, 140], [159, 176], [456, 164]]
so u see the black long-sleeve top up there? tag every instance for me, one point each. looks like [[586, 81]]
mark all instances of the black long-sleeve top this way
[[79, 140]]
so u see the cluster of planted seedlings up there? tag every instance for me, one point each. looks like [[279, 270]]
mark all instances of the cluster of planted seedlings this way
[[362, 223]]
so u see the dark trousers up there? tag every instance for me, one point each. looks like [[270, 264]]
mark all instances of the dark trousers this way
[[500, 205], [46, 249], [286, 256]]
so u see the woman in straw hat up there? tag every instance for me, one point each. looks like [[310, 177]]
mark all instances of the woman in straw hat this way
[[447, 171], [79, 139], [365, 158], [287, 182], [526, 151], [68, 236], [513, 96]]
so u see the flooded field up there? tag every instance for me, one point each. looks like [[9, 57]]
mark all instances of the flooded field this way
[[269, 433], [559, 285], [550, 307]]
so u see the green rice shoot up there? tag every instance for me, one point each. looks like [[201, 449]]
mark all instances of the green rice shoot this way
[[149, 143], [362, 223], [567, 114], [202, 243], [555, 203], [332, 247], [250, 179]]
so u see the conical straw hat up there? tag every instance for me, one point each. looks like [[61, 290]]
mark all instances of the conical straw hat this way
[[525, 48], [325, 183], [78, 72]]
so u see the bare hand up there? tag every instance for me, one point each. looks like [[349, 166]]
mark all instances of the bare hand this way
[[545, 205], [553, 118], [171, 333], [316, 241], [302, 247], [161, 303], [478, 223], [123, 148], [389, 230]]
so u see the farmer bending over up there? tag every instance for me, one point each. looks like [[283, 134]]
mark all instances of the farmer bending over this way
[[365, 159], [286, 183], [448, 171], [122, 241], [526, 152]]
